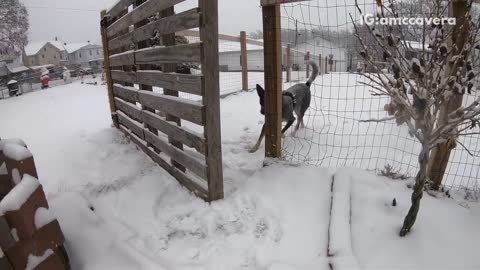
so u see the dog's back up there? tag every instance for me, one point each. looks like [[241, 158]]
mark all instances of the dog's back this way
[[302, 93]]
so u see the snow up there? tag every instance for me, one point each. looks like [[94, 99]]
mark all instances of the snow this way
[[33, 48], [14, 200], [43, 217], [11, 82], [1, 253], [34, 261], [3, 169], [16, 176], [16, 152], [4, 142], [118, 210], [232, 46], [73, 47]]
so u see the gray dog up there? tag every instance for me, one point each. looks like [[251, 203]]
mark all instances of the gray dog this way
[[296, 98]]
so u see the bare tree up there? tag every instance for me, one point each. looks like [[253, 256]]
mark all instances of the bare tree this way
[[13, 24], [421, 87]]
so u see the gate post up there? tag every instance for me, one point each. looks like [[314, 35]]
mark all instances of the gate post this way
[[244, 59], [211, 99], [273, 78], [106, 66], [441, 154], [289, 63]]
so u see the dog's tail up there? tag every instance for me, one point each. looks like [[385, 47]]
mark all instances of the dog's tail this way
[[314, 73]]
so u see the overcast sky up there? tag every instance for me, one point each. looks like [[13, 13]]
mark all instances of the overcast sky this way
[[78, 20]]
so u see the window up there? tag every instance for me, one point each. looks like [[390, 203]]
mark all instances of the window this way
[[43, 55], [91, 53], [61, 56], [98, 52], [55, 57], [80, 55], [44, 49]]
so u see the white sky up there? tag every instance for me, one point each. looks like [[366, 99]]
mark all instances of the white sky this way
[[79, 20], [83, 24]]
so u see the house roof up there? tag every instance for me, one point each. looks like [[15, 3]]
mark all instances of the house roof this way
[[34, 47], [73, 47], [231, 46], [18, 69]]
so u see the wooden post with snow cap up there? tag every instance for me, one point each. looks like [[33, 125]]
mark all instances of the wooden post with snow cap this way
[[441, 154], [244, 59], [107, 69]]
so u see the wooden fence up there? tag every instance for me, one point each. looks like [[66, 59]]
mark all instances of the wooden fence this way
[[30, 237], [141, 57]]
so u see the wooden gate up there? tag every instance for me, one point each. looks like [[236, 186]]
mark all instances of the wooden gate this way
[[142, 54]]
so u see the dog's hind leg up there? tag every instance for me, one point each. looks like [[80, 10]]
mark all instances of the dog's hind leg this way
[[260, 139]]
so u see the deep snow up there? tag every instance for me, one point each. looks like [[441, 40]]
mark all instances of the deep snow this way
[[119, 210]]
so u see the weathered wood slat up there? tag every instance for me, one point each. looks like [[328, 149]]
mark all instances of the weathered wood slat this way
[[126, 92], [179, 22], [129, 109], [181, 177], [131, 124], [187, 83], [185, 109], [120, 6], [184, 136], [172, 54], [140, 13], [193, 164], [128, 77], [122, 59]]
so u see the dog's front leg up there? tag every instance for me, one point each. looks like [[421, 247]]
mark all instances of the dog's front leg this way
[[260, 139]]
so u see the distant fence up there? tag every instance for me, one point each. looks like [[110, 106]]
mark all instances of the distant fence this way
[[180, 134], [234, 51], [30, 237]]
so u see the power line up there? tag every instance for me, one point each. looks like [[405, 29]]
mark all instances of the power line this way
[[57, 8]]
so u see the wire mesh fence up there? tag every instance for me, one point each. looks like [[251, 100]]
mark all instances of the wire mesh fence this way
[[335, 135]]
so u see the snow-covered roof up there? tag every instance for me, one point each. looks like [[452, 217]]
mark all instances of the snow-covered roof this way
[[231, 46], [34, 47], [12, 82], [18, 69], [40, 67], [73, 47]]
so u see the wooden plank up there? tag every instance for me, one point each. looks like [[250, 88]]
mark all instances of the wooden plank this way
[[126, 92], [188, 138], [122, 76], [193, 164], [123, 59], [210, 70], [145, 10], [170, 40], [278, 2], [116, 9], [108, 71], [187, 83], [273, 80], [185, 109], [172, 54], [180, 82], [131, 124], [244, 59], [181, 177], [179, 22], [129, 109]]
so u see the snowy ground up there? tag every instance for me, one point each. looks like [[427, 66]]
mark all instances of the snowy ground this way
[[121, 211]]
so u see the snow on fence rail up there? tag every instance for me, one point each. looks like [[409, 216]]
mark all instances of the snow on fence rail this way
[[30, 237], [145, 66]]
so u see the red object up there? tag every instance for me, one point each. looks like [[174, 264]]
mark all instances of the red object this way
[[386, 107]]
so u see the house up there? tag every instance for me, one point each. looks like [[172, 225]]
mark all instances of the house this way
[[45, 53], [82, 54], [9, 58]]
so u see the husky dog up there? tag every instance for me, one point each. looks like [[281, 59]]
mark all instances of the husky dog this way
[[295, 99]]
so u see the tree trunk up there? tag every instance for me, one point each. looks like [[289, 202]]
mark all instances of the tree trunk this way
[[417, 194]]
